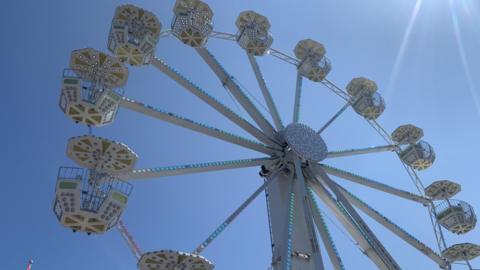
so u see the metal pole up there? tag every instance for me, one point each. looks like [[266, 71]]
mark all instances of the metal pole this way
[[229, 220], [334, 118]]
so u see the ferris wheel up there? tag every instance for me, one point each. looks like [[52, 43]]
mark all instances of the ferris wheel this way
[[91, 198]]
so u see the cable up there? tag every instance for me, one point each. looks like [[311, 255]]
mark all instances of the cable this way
[[251, 95], [339, 228], [239, 111]]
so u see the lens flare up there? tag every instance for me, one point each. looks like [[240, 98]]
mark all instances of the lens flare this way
[[463, 57], [401, 51]]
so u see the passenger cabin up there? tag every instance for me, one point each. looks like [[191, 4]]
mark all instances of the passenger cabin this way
[[192, 23], [370, 106], [87, 103], [313, 63], [365, 99], [419, 156], [462, 252], [456, 216], [407, 134], [134, 35], [253, 33], [169, 260], [81, 206]]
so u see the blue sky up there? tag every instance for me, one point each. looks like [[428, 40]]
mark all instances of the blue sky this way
[[426, 66]]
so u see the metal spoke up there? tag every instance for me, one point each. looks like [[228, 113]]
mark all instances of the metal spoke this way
[[129, 240], [368, 150], [404, 235], [325, 233], [388, 262], [266, 93], [196, 168], [203, 95], [232, 217], [334, 118], [298, 96], [223, 35], [284, 57], [380, 130], [374, 184], [349, 224], [190, 124], [335, 89], [166, 33], [302, 191], [237, 92]]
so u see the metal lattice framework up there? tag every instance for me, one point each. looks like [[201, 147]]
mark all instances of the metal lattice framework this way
[[92, 198]]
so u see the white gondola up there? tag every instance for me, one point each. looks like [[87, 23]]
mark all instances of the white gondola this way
[[101, 154], [313, 63], [456, 216], [90, 89], [134, 34], [169, 259], [98, 68], [370, 106], [193, 22], [81, 206], [419, 156], [88, 104], [442, 190], [407, 134], [360, 85], [364, 98], [462, 252], [253, 35]]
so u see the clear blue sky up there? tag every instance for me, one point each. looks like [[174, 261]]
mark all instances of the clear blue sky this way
[[430, 78]]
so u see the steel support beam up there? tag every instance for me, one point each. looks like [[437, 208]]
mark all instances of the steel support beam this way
[[223, 35], [284, 57], [401, 233], [190, 124], [325, 234], [235, 214], [374, 184], [129, 240], [301, 189], [343, 216], [375, 250], [291, 247], [204, 96], [329, 122], [238, 93], [196, 168], [362, 151], [335, 89], [298, 96], [266, 93]]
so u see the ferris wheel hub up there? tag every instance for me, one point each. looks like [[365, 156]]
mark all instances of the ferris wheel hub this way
[[305, 142]]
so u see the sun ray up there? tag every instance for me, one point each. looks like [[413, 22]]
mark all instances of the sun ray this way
[[463, 57], [401, 52]]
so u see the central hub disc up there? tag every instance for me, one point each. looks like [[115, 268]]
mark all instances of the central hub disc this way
[[305, 142]]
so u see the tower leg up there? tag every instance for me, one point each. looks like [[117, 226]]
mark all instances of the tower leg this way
[[302, 249]]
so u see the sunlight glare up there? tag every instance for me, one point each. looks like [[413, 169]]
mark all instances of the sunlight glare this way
[[401, 52], [463, 57]]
